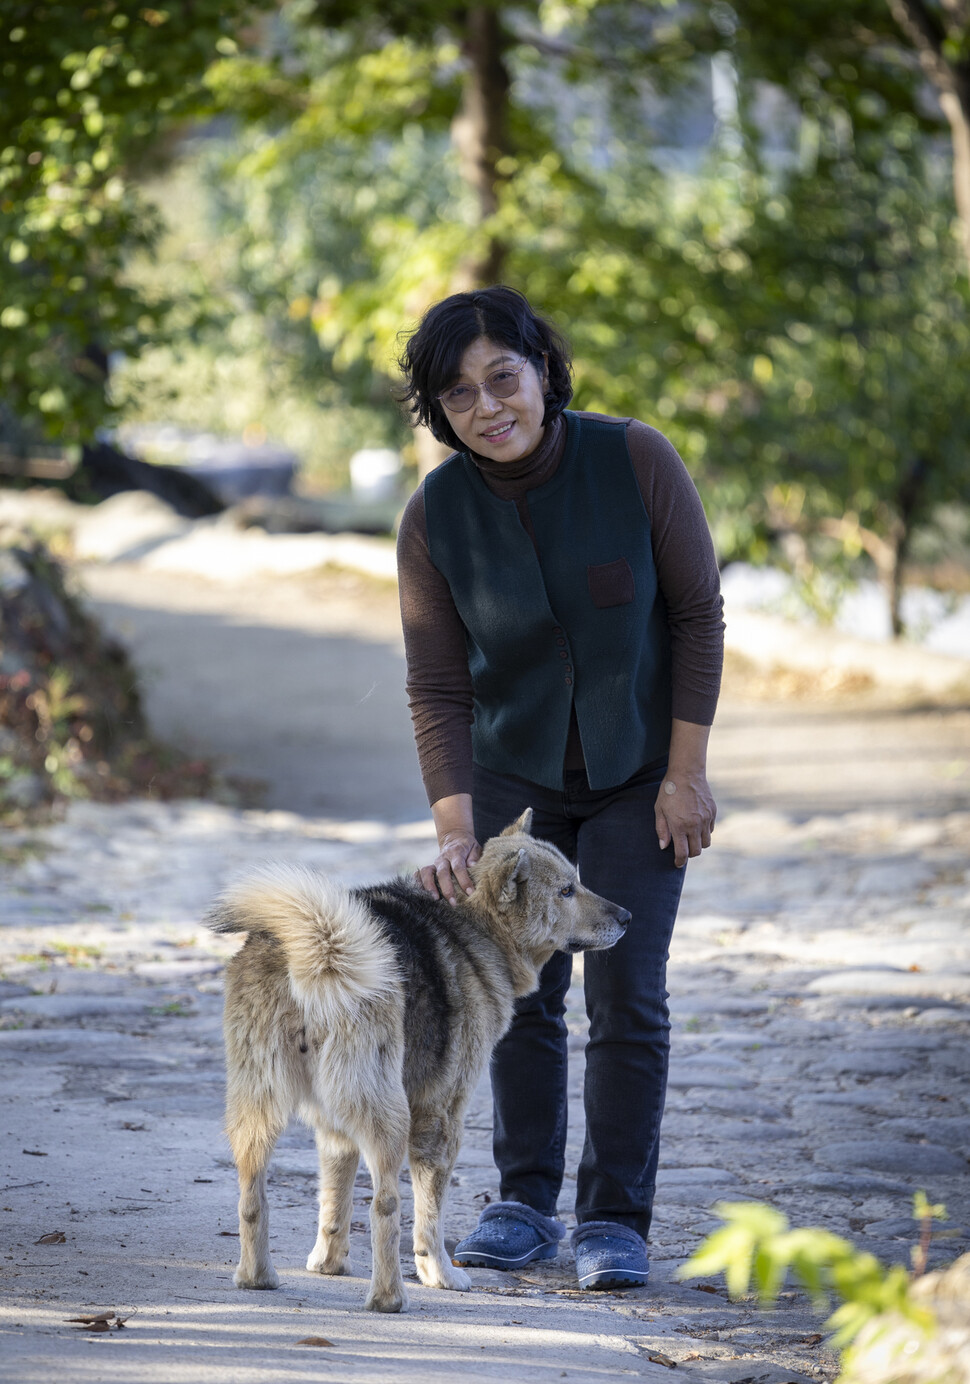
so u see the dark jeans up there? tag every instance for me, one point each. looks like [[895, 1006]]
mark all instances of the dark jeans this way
[[610, 835]]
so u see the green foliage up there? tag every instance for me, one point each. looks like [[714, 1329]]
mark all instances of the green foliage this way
[[255, 368], [799, 329], [89, 90], [797, 324], [844, 335], [755, 1248]]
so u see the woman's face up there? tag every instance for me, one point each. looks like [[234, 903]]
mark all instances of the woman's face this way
[[503, 429]]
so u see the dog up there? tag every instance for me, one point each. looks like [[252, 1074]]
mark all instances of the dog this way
[[371, 1013]]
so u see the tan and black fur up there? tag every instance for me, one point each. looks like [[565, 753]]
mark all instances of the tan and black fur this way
[[371, 1013]]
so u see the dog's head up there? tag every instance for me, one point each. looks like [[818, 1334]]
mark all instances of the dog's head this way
[[534, 895]]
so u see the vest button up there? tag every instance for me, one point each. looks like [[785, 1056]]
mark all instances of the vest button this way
[[561, 642], [569, 682], [557, 629], [568, 669], [563, 653]]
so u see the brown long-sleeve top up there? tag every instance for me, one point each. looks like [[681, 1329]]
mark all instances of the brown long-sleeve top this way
[[438, 681]]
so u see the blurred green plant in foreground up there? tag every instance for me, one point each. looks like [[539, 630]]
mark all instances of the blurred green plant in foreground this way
[[893, 1324]]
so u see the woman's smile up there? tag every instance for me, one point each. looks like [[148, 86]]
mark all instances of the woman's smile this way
[[505, 429]]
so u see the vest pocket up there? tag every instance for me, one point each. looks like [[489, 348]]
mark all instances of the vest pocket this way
[[611, 583]]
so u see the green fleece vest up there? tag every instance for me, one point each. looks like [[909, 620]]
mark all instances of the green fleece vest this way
[[575, 618]]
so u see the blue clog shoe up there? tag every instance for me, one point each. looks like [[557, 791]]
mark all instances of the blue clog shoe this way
[[509, 1235], [610, 1255]]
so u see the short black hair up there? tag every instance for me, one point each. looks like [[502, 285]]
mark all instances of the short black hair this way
[[431, 358]]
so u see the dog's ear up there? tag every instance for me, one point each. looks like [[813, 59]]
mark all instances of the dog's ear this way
[[516, 868], [523, 823]]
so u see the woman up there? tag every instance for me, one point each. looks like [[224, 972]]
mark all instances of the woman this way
[[563, 630]]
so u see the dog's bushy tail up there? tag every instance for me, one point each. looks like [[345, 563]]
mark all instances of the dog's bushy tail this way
[[336, 953]]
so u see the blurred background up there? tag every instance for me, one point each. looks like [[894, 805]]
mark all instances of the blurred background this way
[[752, 221]]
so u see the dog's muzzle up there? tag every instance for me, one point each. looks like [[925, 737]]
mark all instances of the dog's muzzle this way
[[620, 918]]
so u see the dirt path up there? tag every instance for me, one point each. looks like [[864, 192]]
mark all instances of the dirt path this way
[[299, 683], [820, 986]]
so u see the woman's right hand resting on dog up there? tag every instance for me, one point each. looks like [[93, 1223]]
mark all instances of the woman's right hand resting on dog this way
[[457, 849]]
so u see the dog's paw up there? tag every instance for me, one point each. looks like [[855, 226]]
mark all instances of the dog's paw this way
[[332, 1264], [395, 1300], [268, 1278], [438, 1275], [458, 1279]]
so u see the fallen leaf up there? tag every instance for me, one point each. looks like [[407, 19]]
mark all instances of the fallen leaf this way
[[35, 1153], [128, 1124], [314, 1341], [202, 1179], [704, 1288], [659, 1358], [234, 1233], [811, 1340], [98, 1321], [694, 1355], [914, 967], [53, 1237]]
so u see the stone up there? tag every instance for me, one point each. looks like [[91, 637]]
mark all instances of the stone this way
[[686, 1006], [756, 1131], [76, 1006], [177, 970], [720, 1080], [707, 1061], [850, 1184], [688, 1177], [863, 1062], [954, 1132], [59, 1040], [891, 1156], [730, 1103], [861, 1099], [9, 990], [909, 1227], [886, 981]]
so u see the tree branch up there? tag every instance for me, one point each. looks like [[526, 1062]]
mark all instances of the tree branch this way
[[927, 36]]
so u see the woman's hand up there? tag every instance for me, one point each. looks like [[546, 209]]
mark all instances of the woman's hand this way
[[457, 849], [685, 810], [685, 816]]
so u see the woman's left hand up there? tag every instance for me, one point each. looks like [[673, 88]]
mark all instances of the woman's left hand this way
[[685, 813]]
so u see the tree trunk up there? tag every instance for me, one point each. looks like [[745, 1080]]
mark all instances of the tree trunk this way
[[958, 115], [894, 589], [479, 134], [933, 36], [429, 451], [908, 502]]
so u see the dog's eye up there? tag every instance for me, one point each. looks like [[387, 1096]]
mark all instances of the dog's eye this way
[[567, 891]]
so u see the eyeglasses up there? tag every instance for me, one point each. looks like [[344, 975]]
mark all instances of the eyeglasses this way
[[501, 384]]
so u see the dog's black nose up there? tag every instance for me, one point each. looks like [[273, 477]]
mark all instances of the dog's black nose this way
[[623, 917]]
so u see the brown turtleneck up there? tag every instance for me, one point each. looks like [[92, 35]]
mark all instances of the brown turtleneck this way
[[439, 685]]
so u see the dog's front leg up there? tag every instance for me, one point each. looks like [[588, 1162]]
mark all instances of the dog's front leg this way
[[434, 1148], [338, 1167]]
